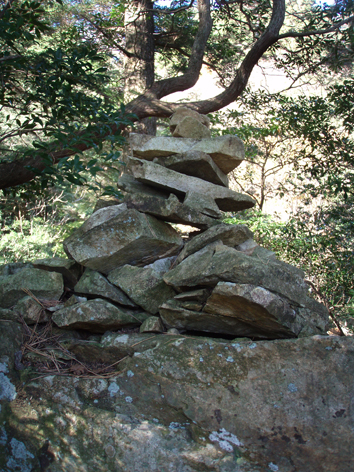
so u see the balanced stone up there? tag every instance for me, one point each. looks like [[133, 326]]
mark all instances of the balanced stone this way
[[170, 209], [180, 184], [115, 236], [183, 112], [190, 127], [226, 151], [197, 164]]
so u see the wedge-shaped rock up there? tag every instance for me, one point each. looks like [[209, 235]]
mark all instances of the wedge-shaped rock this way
[[42, 284], [174, 315], [115, 236], [190, 127], [170, 209], [226, 151], [196, 164], [270, 315], [230, 235], [144, 285], [69, 269], [95, 284], [97, 316], [183, 112], [152, 325], [180, 184], [219, 263]]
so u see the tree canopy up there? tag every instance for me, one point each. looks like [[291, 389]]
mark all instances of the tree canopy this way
[[63, 96]]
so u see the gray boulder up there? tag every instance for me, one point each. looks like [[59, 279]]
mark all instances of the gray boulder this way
[[190, 127], [97, 316], [115, 236], [95, 284], [42, 284], [226, 151], [196, 164], [170, 209], [229, 235], [219, 263], [182, 112], [180, 184], [144, 285], [69, 269]]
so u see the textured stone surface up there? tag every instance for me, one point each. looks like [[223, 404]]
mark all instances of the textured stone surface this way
[[197, 164], [183, 112], [270, 315], [192, 405], [144, 285], [180, 184], [69, 269], [42, 284], [95, 284], [97, 316], [171, 210], [226, 151], [152, 325], [229, 235], [190, 127], [219, 263], [115, 236], [31, 311]]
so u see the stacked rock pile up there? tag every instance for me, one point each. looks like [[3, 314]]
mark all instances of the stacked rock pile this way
[[129, 267]]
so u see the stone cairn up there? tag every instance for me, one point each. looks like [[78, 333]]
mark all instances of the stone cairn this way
[[129, 268]]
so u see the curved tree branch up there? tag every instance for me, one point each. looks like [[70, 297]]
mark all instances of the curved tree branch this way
[[304, 34], [190, 77]]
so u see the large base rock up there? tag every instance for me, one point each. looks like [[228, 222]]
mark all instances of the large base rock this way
[[115, 236], [191, 405]]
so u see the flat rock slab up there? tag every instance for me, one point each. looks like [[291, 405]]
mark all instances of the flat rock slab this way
[[97, 316], [219, 263], [180, 184], [244, 310], [93, 283], [229, 235], [42, 284], [174, 314], [170, 209], [226, 151], [115, 236], [196, 164]]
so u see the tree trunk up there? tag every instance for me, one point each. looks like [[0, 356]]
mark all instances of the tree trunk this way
[[139, 70]]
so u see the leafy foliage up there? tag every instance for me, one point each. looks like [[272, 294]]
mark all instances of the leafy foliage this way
[[54, 97]]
